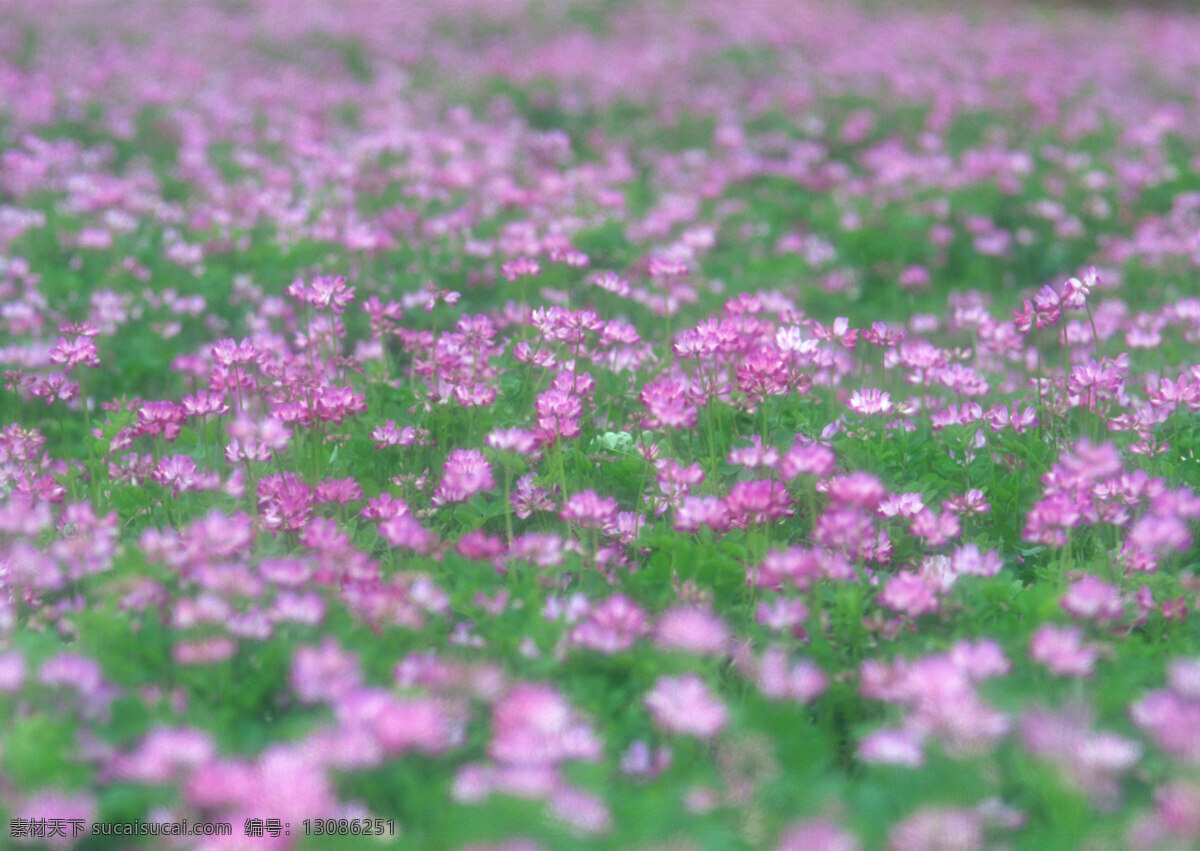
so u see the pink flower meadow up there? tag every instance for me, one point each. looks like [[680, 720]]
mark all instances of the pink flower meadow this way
[[516, 425]]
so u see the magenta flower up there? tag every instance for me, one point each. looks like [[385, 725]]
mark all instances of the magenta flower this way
[[668, 404], [685, 705], [871, 401], [1062, 650], [762, 373], [179, 473], [284, 501], [389, 435], [405, 532], [72, 353], [534, 725], [528, 499], [806, 458], [165, 755], [858, 490], [758, 501], [467, 472], [229, 353], [892, 747], [754, 456], [935, 529], [778, 679], [518, 440], [693, 630], [901, 505], [160, 418], [582, 810], [558, 414], [908, 593], [816, 833], [938, 829], [334, 404], [839, 331], [1094, 759], [324, 673], [48, 806], [204, 404], [588, 510], [520, 267], [341, 491], [611, 626], [696, 511], [330, 291], [1094, 599]]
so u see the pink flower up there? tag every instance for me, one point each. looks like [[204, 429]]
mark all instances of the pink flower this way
[[284, 501], [582, 810], [782, 615], [758, 501], [668, 404], [901, 504], [1061, 649], [204, 404], [520, 267], [1172, 720], [341, 491], [1075, 291], [685, 705], [816, 834], [534, 725], [755, 455], [467, 472], [518, 440], [859, 490], [329, 291], [696, 511], [228, 353], [539, 549], [50, 804], [935, 530], [324, 673], [779, 680], [286, 780], [870, 401], [938, 829], [12, 671], [908, 593], [892, 747], [165, 754], [558, 414], [1094, 759], [389, 435], [611, 626], [160, 418], [179, 473], [839, 331], [806, 458], [971, 502], [639, 761], [334, 404], [588, 510], [763, 372], [968, 560], [72, 353], [693, 630], [405, 532], [1091, 598], [528, 499]]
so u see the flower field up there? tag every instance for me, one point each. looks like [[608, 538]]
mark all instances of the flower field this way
[[663, 425]]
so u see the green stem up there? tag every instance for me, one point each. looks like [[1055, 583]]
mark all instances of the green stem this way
[[93, 467]]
